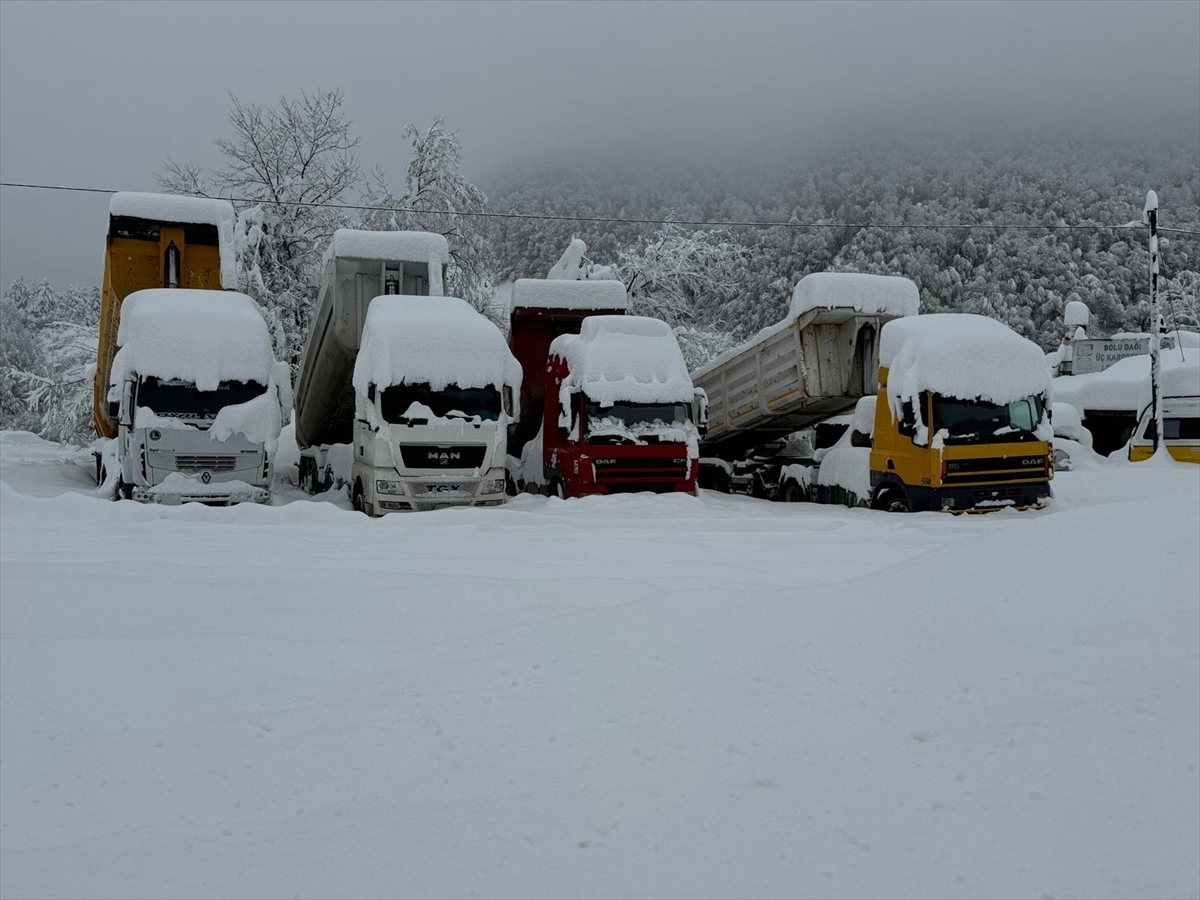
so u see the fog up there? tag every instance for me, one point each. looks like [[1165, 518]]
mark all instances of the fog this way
[[99, 94]]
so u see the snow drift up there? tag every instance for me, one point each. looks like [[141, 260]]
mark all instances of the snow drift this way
[[1125, 385]]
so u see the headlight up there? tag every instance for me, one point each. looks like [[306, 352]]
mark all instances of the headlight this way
[[493, 485], [389, 487]]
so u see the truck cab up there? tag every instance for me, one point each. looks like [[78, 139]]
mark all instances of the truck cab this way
[[433, 385], [198, 410], [620, 412], [417, 448], [961, 421]]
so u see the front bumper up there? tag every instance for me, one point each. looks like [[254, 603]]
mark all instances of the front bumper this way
[[223, 494], [421, 493]]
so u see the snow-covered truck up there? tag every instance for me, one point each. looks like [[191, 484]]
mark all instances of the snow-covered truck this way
[[404, 395], [541, 310], [157, 241], [813, 365], [198, 396], [959, 423], [618, 415], [187, 398], [570, 462]]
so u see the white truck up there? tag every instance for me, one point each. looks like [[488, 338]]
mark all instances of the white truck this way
[[813, 365], [404, 395], [199, 399]]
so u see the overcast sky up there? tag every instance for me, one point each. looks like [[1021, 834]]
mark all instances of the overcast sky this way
[[98, 94]]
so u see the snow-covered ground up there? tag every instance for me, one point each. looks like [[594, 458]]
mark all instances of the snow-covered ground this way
[[625, 696]]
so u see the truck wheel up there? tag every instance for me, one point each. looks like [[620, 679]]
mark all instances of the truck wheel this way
[[308, 480], [559, 489], [124, 491], [792, 493], [510, 486], [892, 500], [357, 498]]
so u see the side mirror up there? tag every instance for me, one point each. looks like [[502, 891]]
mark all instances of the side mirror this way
[[700, 404]]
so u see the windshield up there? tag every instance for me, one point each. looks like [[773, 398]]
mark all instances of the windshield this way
[[978, 421], [451, 403], [635, 422], [181, 399]]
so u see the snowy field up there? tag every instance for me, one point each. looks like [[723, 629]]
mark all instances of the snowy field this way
[[628, 696]]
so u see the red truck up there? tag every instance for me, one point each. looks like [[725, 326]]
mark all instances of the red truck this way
[[607, 405]]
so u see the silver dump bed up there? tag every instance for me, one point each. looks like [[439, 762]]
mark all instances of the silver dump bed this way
[[359, 266], [815, 364]]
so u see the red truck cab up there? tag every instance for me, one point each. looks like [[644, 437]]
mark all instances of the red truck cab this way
[[598, 450], [629, 403]]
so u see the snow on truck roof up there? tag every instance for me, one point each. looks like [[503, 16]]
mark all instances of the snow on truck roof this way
[[406, 246], [961, 355], [871, 294], [204, 337], [437, 341], [185, 211], [556, 293], [626, 358], [867, 294]]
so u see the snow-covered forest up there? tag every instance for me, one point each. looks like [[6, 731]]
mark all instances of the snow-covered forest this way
[[715, 285]]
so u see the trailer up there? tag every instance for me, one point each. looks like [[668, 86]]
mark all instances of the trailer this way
[[541, 310], [813, 365], [404, 395]]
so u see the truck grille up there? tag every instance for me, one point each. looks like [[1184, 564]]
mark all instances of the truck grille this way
[[444, 489], [442, 456], [641, 470], [210, 462], [1010, 468]]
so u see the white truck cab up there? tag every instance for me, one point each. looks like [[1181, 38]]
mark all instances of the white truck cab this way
[[198, 397]]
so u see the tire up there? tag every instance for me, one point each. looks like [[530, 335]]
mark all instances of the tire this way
[[792, 493], [124, 491], [892, 500], [558, 488], [510, 487], [308, 475], [356, 498]]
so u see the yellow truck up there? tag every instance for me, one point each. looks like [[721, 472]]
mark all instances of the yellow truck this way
[[188, 399], [156, 241], [961, 417]]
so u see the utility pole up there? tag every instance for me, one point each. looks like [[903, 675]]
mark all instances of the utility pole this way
[[1150, 217]]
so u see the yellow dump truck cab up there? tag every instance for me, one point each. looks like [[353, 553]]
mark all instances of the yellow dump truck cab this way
[[1181, 431], [946, 467], [960, 417]]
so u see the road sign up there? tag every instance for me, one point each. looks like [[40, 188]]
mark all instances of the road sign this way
[[1096, 356]]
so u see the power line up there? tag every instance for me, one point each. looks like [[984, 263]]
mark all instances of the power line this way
[[628, 221]]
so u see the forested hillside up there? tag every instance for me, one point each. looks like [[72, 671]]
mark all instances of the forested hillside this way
[[715, 285], [1022, 277]]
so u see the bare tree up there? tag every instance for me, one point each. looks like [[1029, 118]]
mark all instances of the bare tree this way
[[439, 199], [671, 270], [286, 167]]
